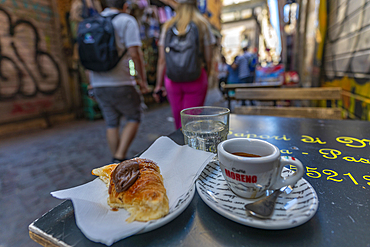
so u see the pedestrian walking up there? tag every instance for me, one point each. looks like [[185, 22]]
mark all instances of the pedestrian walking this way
[[242, 64], [232, 77], [184, 70], [232, 74], [115, 90], [222, 72]]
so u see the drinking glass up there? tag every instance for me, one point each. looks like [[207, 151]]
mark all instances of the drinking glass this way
[[205, 127]]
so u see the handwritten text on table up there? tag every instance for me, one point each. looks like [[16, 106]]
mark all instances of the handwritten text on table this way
[[326, 153]]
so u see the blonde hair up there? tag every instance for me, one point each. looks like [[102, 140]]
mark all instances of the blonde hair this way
[[185, 13]]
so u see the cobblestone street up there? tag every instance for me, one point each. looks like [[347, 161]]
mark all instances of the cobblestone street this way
[[33, 165]]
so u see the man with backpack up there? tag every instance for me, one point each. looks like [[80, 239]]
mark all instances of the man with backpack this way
[[243, 64], [113, 86]]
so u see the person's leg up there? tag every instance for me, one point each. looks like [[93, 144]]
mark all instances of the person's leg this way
[[195, 92], [128, 103], [112, 139], [243, 80], [111, 116], [127, 136], [246, 80], [175, 97], [249, 79]]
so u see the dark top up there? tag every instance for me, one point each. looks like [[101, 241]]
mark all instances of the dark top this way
[[233, 75]]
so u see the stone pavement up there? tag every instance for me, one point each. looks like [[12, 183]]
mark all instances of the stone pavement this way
[[34, 164]]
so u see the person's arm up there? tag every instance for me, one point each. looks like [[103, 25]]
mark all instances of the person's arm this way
[[90, 90], [161, 66], [132, 41], [208, 55], [137, 57], [208, 40], [234, 65]]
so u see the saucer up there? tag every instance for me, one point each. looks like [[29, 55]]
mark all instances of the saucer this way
[[290, 210]]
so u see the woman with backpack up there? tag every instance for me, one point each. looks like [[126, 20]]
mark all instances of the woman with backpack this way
[[184, 69]]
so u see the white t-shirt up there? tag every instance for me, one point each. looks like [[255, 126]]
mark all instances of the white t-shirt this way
[[222, 70], [127, 34], [243, 65]]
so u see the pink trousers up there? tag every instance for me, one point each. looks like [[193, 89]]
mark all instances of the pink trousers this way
[[183, 95]]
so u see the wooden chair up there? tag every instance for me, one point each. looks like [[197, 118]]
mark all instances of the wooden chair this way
[[232, 87], [275, 94]]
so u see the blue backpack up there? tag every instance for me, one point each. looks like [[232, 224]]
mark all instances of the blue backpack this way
[[252, 63], [182, 54], [97, 44]]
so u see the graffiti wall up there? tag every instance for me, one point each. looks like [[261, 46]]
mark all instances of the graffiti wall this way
[[32, 81], [347, 54]]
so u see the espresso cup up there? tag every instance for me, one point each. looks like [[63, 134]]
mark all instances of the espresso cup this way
[[252, 166]]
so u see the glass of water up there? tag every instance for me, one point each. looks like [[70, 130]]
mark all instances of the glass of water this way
[[205, 127]]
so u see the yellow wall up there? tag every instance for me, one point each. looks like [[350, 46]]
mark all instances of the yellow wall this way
[[347, 55], [356, 97], [215, 7]]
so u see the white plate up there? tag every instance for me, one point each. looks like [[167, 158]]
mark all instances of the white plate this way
[[290, 211], [179, 208]]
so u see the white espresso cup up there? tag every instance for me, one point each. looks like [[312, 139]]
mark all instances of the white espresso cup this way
[[250, 177]]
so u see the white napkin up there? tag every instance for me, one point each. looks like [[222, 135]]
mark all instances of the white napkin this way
[[180, 167]]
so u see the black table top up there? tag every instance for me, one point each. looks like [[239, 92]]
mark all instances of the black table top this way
[[336, 154]]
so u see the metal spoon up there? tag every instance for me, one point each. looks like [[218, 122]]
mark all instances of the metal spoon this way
[[265, 207]]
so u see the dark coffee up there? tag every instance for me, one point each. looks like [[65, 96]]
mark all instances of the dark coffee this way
[[246, 155]]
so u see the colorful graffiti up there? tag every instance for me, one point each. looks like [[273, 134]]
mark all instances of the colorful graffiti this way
[[45, 78], [38, 10], [347, 55]]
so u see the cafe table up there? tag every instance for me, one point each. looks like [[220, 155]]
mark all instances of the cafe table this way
[[336, 156]]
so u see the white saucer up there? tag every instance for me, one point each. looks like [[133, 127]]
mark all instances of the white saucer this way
[[179, 208], [290, 211]]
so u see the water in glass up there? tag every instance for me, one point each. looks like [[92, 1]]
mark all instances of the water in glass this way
[[205, 134]]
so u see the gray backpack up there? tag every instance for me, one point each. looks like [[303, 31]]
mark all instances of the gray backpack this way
[[182, 54]]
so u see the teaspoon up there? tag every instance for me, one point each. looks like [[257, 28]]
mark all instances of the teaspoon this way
[[265, 207]]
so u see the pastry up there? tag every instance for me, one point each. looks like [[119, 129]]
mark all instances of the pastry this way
[[104, 172], [137, 186]]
